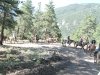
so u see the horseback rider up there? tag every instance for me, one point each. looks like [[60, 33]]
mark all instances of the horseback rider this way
[[81, 41], [68, 39], [97, 50], [37, 38], [93, 42]]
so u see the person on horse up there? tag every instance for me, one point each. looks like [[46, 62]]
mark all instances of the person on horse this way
[[92, 47], [37, 38], [68, 39], [81, 41], [93, 42], [97, 50]]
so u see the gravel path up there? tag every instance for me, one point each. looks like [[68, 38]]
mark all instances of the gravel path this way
[[81, 63]]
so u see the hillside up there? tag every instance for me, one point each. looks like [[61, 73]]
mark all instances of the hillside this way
[[69, 17]]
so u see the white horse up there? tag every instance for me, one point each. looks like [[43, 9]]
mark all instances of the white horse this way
[[12, 39]]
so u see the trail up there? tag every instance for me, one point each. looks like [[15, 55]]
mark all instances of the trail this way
[[81, 63]]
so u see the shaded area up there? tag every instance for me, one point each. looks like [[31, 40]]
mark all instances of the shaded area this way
[[77, 64]]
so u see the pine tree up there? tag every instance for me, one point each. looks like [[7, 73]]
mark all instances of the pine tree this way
[[8, 9], [38, 22], [52, 29], [25, 21], [89, 26], [86, 28]]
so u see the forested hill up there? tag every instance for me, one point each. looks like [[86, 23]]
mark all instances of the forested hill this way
[[69, 17]]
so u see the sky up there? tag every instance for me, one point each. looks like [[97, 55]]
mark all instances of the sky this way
[[61, 3]]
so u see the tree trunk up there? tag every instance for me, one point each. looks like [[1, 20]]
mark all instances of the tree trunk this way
[[2, 29]]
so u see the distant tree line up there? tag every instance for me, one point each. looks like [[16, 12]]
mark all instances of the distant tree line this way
[[89, 27], [27, 21]]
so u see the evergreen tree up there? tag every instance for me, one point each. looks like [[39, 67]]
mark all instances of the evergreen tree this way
[[87, 27], [97, 33], [25, 21], [52, 29], [38, 22], [8, 9]]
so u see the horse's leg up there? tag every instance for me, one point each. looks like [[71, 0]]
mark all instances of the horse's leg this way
[[95, 59], [11, 40], [90, 52], [68, 44], [86, 50], [82, 46], [76, 45]]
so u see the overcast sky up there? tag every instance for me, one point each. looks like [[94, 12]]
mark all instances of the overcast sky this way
[[61, 3]]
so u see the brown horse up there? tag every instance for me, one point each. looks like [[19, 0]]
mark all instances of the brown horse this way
[[51, 40], [91, 48]]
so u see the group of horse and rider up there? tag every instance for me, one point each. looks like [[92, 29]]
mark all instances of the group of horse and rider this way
[[87, 46], [81, 42]]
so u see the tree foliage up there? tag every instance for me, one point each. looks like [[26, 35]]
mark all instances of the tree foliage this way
[[97, 33], [87, 27], [8, 9], [45, 23], [52, 28], [73, 14], [30, 23], [25, 23]]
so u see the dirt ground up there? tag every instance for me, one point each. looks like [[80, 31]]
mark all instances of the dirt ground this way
[[81, 62]]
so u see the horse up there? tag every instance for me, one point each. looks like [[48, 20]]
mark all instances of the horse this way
[[12, 39], [91, 48], [81, 44], [78, 43], [64, 42], [51, 40], [69, 42]]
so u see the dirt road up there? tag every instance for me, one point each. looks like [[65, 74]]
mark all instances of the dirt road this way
[[81, 63]]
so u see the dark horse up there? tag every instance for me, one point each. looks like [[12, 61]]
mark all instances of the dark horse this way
[[69, 42], [64, 42], [81, 44]]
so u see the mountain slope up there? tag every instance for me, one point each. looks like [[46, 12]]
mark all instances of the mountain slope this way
[[69, 17]]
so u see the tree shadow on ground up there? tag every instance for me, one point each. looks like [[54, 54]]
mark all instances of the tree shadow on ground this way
[[82, 68], [78, 65]]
